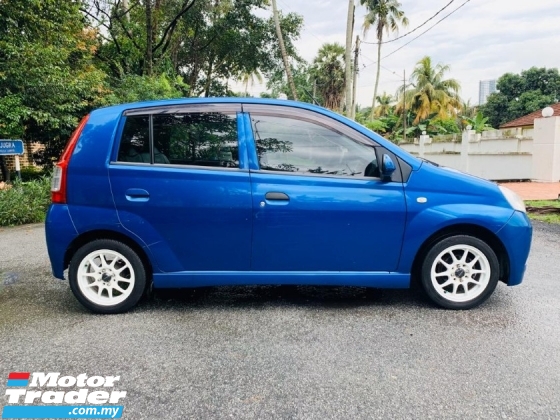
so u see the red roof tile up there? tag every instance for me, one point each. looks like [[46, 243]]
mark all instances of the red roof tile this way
[[529, 119]]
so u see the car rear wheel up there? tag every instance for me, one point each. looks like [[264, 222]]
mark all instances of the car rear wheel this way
[[460, 272], [107, 276]]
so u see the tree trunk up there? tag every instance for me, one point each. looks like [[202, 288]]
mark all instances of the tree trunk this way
[[348, 57], [376, 77], [4, 169], [208, 84], [283, 51], [355, 81], [149, 39]]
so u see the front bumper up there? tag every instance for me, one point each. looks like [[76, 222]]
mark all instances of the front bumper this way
[[516, 236]]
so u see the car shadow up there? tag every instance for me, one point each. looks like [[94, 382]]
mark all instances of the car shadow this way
[[281, 296]]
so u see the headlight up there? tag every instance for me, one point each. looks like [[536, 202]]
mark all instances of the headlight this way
[[513, 199]]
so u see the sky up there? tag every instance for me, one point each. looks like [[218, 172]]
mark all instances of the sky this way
[[480, 41]]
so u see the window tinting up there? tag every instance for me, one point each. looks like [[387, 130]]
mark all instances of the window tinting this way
[[294, 145], [197, 138], [207, 139], [135, 140]]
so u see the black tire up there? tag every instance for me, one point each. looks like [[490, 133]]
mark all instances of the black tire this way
[[128, 269], [460, 284]]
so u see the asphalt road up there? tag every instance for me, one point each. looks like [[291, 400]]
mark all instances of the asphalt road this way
[[302, 353]]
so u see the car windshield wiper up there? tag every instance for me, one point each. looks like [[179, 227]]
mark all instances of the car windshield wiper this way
[[429, 161]]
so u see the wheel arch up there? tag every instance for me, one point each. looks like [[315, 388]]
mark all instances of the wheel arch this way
[[92, 235], [463, 229]]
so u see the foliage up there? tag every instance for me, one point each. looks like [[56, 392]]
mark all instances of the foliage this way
[[437, 126], [521, 94], [133, 88], [209, 42], [25, 202], [304, 81], [479, 123], [31, 173], [47, 78], [379, 126]]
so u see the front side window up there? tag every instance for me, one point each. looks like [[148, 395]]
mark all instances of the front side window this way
[[301, 146], [196, 138]]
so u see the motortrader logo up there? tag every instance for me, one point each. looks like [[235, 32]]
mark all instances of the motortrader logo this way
[[82, 396]]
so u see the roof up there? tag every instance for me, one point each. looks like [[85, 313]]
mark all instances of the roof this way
[[529, 119]]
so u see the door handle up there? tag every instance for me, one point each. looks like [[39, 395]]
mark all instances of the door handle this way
[[276, 196], [137, 194]]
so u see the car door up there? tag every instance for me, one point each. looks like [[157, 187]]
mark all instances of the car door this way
[[319, 203], [181, 185]]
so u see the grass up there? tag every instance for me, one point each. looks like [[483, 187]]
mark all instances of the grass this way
[[548, 217]]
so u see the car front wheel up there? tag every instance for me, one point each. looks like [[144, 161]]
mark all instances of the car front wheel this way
[[107, 276], [460, 272]]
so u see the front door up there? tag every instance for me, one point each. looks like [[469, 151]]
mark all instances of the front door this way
[[319, 203]]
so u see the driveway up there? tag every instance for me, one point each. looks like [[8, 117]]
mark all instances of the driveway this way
[[294, 353]]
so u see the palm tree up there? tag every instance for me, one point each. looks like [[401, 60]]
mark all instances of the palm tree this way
[[431, 93], [249, 77], [386, 102], [328, 71], [385, 16]]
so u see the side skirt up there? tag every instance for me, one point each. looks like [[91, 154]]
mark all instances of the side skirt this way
[[182, 279]]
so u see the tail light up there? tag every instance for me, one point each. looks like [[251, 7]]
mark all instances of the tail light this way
[[58, 184]]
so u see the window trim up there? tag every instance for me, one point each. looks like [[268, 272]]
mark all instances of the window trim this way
[[229, 109], [309, 116]]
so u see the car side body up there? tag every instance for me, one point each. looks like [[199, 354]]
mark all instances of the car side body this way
[[236, 213]]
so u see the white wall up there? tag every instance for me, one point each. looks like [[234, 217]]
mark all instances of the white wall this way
[[499, 154]]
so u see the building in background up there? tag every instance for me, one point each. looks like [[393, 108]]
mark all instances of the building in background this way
[[486, 87]]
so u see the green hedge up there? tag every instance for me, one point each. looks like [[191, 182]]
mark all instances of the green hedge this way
[[30, 173], [25, 202]]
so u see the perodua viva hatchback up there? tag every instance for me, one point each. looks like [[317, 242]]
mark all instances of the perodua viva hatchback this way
[[205, 192]]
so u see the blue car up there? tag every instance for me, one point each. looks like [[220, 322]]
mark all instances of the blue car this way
[[229, 191]]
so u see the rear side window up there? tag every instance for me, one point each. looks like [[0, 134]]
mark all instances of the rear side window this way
[[195, 138], [135, 140]]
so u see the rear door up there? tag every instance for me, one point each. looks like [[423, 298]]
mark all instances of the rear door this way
[[180, 184], [319, 202]]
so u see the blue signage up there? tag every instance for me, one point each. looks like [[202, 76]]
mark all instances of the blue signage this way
[[11, 147]]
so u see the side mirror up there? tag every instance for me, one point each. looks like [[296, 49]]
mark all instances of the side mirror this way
[[387, 168]]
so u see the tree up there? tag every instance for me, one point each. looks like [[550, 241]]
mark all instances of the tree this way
[[386, 17], [213, 42], [150, 41], [304, 79], [328, 73], [386, 104], [47, 71], [430, 92], [521, 94]]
